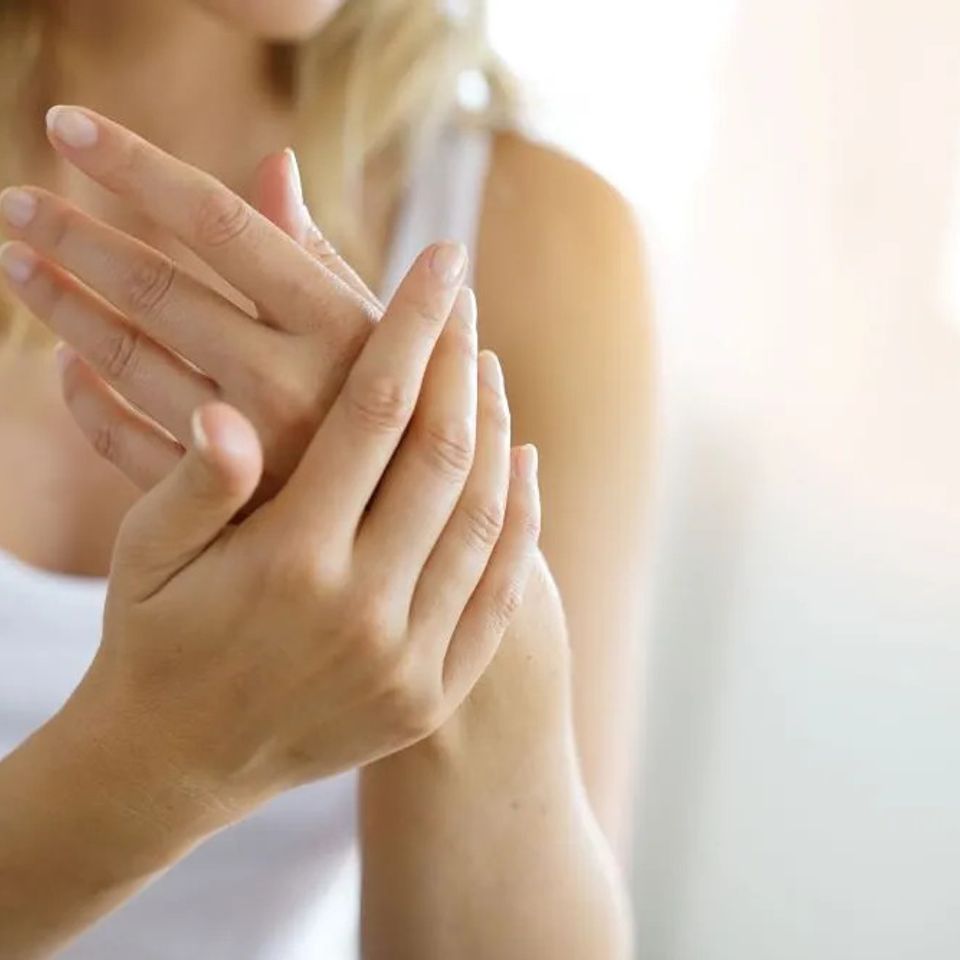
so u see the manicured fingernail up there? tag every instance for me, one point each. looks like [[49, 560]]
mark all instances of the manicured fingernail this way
[[201, 439], [293, 171], [18, 262], [71, 127], [448, 262], [526, 462], [491, 373], [18, 207], [466, 307]]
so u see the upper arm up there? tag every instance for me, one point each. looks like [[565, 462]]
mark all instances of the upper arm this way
[[564, 302]]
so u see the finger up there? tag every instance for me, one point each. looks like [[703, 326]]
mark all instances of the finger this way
[[355, 442], [501, 590], [253, 255], [146, 286], [125, 438], [189, 509], [424, 481], [460, 557], [279, 197], [152, 378]]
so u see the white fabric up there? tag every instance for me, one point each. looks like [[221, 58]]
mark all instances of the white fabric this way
[[283, 885]]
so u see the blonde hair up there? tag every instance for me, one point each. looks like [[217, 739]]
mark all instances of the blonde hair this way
[[374, 80]]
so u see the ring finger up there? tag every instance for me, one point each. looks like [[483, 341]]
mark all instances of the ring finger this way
[[146, 286], [150, 377]]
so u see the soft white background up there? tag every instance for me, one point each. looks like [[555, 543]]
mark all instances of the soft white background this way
[[796, 169]]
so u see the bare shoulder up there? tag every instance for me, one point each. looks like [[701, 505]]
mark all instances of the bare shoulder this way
[[561, 272]]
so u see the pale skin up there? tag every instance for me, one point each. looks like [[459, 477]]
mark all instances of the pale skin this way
[[518, 737]]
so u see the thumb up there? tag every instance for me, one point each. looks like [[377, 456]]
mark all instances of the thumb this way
[[184, 513], [278, 195]]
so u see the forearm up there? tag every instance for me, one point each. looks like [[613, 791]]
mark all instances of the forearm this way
[[480, 842], [87, 817]]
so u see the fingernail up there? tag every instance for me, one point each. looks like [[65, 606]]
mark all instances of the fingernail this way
[[526, 462], [18, 262], [18, 207], [448, 262], [72, 127], [293, 171], [466, 307], [201, 439], [491, 373]]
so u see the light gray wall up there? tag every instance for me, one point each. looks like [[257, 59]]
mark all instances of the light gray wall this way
[[801, 785]]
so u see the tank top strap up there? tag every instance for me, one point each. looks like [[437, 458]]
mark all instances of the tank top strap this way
[[444, 200]]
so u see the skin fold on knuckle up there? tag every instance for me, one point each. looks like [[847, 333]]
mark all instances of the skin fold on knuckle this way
[[483, 523], [119, 354], [495, 413], [220, 218], [448, 447], [105, 439], [507, 601], [58, 227], [147, 285], [411, 703], [380, 403]]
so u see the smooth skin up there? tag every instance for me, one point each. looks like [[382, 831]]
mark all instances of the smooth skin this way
[[341, 644], [560, 283]]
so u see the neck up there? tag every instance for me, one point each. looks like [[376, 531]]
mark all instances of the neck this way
[[174, 73]]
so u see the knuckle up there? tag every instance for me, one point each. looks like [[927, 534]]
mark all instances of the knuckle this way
[[221, 217], [148, 285], [484, 522], [321, 248], [376, 629], [105, 439], [125, 166], [60, 229], [288, 405], [300, 572], [497, 414], [119, 354], [449, 447], [381, 403], [412, 703], [424, 311], [530, 526], [507, 602]]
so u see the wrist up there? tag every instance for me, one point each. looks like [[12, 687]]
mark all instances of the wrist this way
[[127, 779]]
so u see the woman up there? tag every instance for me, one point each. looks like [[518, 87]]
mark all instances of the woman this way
[[476, 838]]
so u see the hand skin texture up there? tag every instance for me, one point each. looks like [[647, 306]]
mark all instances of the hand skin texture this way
[[493, 805]]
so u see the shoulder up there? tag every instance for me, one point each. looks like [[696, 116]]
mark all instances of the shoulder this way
[[561, 270], [563, 225]]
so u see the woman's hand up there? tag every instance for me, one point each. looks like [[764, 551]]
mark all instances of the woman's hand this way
[[350, 616], [278, 347]]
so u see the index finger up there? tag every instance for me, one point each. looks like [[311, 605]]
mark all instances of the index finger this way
[[287, 284]]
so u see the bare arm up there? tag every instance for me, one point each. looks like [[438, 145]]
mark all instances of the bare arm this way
[[84, 823], [484, 841]]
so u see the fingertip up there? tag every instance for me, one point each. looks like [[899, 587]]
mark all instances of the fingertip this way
[[227, 439], [525, 463]]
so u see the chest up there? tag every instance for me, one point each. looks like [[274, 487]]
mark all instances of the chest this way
[[61, 504]]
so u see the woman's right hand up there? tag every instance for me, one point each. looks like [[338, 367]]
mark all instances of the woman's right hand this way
[[348, 617]]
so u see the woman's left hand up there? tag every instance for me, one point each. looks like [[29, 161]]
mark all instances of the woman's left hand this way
[[149, 331]]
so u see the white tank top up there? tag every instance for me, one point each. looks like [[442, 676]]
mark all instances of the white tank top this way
[[284, 884]]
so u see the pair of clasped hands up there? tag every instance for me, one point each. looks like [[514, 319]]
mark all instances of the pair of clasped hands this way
[[336, 532]]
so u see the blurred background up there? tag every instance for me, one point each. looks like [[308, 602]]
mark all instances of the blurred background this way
[[796, 170]]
